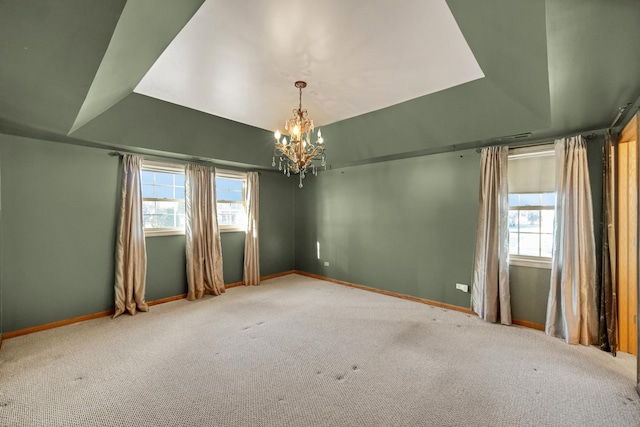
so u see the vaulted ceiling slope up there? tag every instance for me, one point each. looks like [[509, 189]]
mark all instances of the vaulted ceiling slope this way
[[69, 69]]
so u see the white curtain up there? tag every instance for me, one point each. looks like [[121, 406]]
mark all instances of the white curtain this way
[[490, 297], [571, 309], [131, 255], [203, 248], [251, 242]]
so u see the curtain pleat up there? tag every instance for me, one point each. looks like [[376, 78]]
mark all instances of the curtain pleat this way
[[571, 309], [251, 242], [490, 297], [608, 325], [203, 248], [131, 255]]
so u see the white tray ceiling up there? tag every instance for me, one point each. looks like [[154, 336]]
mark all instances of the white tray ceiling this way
[[240, 59]]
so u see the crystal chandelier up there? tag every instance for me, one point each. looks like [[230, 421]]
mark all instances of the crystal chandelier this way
[[298, 154]]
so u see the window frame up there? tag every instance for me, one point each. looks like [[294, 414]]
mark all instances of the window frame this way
[[530, 260], [154, 166], [239, 175]]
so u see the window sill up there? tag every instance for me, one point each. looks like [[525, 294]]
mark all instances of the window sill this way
[[155, 232], [232, 229], [532, 262]]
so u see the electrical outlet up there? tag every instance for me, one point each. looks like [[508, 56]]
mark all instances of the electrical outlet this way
[[326, 263], [462, 287]]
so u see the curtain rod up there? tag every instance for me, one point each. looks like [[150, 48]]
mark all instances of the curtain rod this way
[[512, 141], [477, 145]]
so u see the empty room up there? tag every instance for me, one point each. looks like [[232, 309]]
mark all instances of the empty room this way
[[334, 213]]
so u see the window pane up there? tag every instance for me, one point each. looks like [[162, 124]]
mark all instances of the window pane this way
[[513, 220], [180, 221], [179, 193], [530, 244], [530, 200], [148, 221], [164, 178], [164, 192], [513, 200], [229, 189], [548, 199], [148, 208], [169, 208], [179, 179], [513, 243], [546, 245], [530, 221], [165, 221], [147, 177], [148, 191], [231, 214], [181, 207], [546, 223]]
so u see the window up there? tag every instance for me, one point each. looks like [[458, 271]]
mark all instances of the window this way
[[230, 199], [532, 202], [163, 204], [531, 224], [163, 199]]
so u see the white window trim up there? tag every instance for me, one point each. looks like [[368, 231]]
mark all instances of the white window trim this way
[[231, 174], [163, 167]]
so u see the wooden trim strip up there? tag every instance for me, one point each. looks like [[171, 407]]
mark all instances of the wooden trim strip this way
[[519, 322], [528, 324], [273, 276], [38, 328], [389, 293], [57, 324], [167, 299], [262, 278], [233, 285]]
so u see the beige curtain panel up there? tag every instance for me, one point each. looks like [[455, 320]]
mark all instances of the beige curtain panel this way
[[571, 309], [252, 242], [131, 255], [490, 297], [203, 249]]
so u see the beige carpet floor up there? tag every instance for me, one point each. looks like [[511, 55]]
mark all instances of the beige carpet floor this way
[[297, 351]]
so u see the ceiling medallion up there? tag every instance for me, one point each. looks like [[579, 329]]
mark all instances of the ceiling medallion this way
[[297, 155]]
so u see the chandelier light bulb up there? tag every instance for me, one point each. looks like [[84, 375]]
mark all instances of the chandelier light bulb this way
[[277, 134], [284, 141], [296, 130]]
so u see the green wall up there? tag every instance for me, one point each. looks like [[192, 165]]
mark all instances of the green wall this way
[[59, 208], [406, 226], [409, 226], [57, 236]]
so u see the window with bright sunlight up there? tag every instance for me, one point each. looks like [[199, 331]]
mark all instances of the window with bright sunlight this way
[[163, 198], [532, 201], [230, 199]]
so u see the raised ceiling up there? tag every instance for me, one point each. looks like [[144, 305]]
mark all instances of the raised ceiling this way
[[241, 62], [141, 74]]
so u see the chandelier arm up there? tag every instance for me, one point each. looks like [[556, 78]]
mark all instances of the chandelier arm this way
[[286, 152]]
